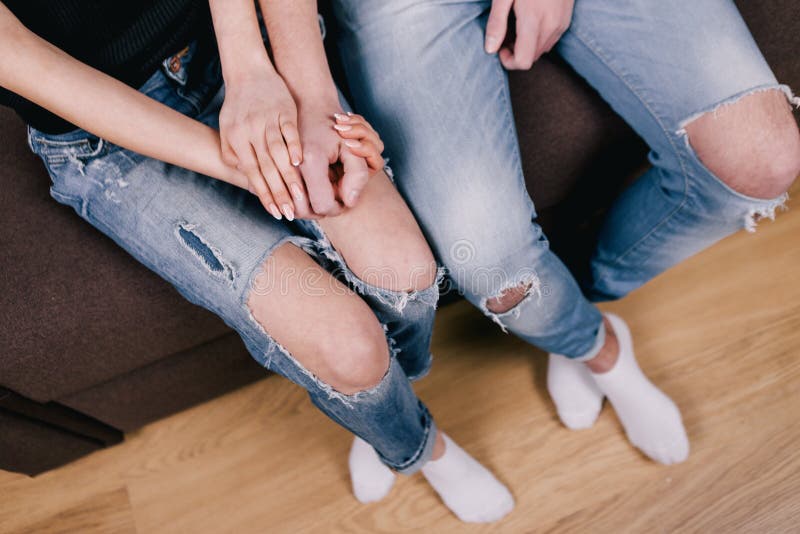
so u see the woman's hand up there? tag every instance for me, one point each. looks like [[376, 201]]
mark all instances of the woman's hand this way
[[259, 136], [334, 174], [361, 139], [540, 24]]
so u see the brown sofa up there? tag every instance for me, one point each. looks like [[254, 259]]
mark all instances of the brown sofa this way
[[94, 345]]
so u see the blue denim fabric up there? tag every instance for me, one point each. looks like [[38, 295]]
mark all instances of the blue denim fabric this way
[[209, 239], [419, 74]]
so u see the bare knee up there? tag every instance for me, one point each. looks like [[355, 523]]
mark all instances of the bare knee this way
[[355, 362], [752, 145], [328, 331], [508, 299]]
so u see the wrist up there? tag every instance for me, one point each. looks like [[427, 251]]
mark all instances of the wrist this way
[[319, 100], [244, 65]]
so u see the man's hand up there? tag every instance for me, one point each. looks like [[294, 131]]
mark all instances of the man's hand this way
[[259, 135], [333, 174], [540, 24]]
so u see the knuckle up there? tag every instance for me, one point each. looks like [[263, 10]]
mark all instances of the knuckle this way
[[275, 146]]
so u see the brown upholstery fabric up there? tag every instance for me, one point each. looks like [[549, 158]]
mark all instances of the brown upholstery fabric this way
[[31, 447], [169, 385], [56, 415]]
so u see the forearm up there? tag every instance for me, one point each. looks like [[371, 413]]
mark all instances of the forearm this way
[[104, 106], [241, 48], [293, 29]]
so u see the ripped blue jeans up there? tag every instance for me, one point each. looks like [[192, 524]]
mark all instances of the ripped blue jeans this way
[[210, 239], [419, 74]]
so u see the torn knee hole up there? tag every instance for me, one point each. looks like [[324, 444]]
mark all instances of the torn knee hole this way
[[509, 298], [750, 142]]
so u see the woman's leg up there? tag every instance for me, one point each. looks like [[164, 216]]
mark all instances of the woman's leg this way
[[219, 248], [380, 251], [216, 245]]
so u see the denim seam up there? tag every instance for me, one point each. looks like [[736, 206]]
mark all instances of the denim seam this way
[[592, 47], [512, 129]]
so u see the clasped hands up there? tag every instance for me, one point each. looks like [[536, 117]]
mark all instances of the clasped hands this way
[[303, 159]]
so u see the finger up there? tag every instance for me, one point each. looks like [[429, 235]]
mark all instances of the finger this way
[[553, 37], [368, 151], [248, 164], [355, 178], [273, 178], [291, 135], [497, 25], [321, 194], [525, 45], [371, 135], [353, 131], [353, 118], [289, 173]]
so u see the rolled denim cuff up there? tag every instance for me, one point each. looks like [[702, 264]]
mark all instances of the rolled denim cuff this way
[[423, 455], [599, 341]]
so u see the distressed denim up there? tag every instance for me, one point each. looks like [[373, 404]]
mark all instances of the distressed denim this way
[[210, 239], [419, 74]]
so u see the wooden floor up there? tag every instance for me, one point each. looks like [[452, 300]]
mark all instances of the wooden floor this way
[[720, 334]]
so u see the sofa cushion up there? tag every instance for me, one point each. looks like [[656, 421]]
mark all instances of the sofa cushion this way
[[77, 310]]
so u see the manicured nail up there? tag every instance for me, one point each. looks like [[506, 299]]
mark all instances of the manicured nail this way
[[288, 211], [352, 143], [296, 160], [273, 209], [491, 44], [296, 191], [349, 113], [342, 127], [340, 117]]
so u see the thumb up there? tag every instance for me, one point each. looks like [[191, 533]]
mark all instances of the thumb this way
[[356, 176], [314, 169]]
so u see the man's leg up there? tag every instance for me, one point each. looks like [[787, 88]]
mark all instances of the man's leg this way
[[419, 74], [691, 81]]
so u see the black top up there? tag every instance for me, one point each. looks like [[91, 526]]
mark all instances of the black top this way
[[126, 39]]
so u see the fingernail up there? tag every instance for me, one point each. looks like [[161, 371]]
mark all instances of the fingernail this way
[[273, 209], [295, 161], [491, 43], [352, 143], [353, 196], [288, 211], [342, 127], [296, 191], [340, 117], [349, 113]]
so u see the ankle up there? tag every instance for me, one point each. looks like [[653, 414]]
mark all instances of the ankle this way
[[438, 447], [607, 358]]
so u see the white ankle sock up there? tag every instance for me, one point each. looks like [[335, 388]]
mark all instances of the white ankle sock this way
[[577, 398], [372, 479], [466, 487], [651, 420]]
